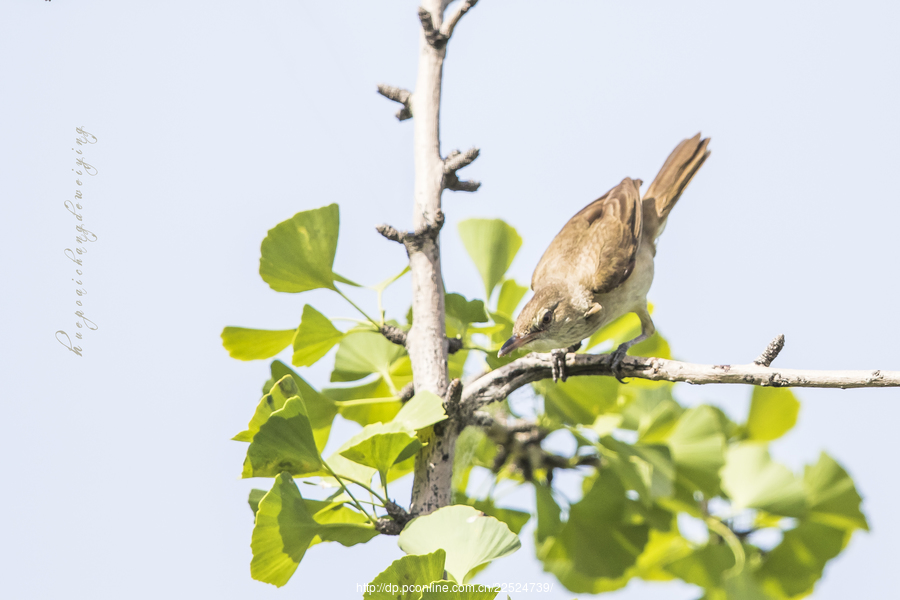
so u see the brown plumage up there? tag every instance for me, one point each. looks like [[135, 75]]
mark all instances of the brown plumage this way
[[600, 265]]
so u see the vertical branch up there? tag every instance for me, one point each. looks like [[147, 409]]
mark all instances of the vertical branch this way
[[427, 339]]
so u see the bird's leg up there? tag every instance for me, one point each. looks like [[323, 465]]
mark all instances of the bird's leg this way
[[647, 329], [558, 366]]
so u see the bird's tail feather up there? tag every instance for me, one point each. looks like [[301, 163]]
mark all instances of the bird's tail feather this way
[[673, 178]]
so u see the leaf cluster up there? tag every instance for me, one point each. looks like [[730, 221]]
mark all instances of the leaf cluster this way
[[650, 466]]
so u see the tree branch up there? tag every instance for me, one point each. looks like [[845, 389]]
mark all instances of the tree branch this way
[[398, 336], [450, 24], [500, 383], [771, 352], [397, 95], [433, 36], [455, 161]]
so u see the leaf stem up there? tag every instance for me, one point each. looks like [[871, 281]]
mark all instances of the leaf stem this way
[[733, 543], [370, 490], [361, 311], [346, 491]]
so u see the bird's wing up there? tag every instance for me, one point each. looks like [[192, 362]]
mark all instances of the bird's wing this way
[[598, 246]]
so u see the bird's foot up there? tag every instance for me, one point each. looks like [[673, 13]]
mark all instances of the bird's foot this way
[[615, 365], [558, 365]]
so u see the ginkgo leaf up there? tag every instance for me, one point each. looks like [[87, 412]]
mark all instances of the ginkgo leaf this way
[[285, 529], [753, 480], [773, 412], [298, 254], [255, 344], [314, 338], [320, 409], [511, 293], [381, 445], [492, 244], [469, 537], [833, 499], [421, 410], [400, 580], [363, 353], [285, 442], [599, 540]]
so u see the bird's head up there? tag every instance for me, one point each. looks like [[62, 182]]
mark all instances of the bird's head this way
[[549, 321]]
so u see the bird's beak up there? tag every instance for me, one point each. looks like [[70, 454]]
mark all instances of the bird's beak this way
[[514, 343]]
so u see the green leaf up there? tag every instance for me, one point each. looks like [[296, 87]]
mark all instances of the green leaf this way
[[255, 496], [254, 344], [340, 523], [549, 523], [380, 445], [406, 573], [698, 448], [347, 470], [773, 412], [468, 536], [511, 293], [598, 540], [461, 313], [320, 409], [833, 499], [752, 480], [284, 442], [421, 410], [368, 403], [363, 353], [473, 448], [492, 245], [285, 529], [704, 566], [625, 328], [648, 470], [580, 400], [796, 564], [283, 532], [315, 337], [284, 388], [298, 254], [514, 519], [447, 590]]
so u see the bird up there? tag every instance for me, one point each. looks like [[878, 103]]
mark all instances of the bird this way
[[600, 265]]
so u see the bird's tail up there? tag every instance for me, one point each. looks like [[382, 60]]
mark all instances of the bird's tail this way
[[673, 178]]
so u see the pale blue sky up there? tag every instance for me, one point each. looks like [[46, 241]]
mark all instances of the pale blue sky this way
[[218, 120]]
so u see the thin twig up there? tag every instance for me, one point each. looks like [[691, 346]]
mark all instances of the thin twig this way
[[456, 160], [398, 336], [435, 38], [771, 352], [390, 233], [398, 95], [450, 24]]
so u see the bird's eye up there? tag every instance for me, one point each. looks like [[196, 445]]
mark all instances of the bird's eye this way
[[548, 316]]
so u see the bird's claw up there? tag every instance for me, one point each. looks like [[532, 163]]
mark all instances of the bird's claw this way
[[615, 364], [558, 364]]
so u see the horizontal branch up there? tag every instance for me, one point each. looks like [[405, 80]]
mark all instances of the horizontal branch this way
[[500, 383]]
